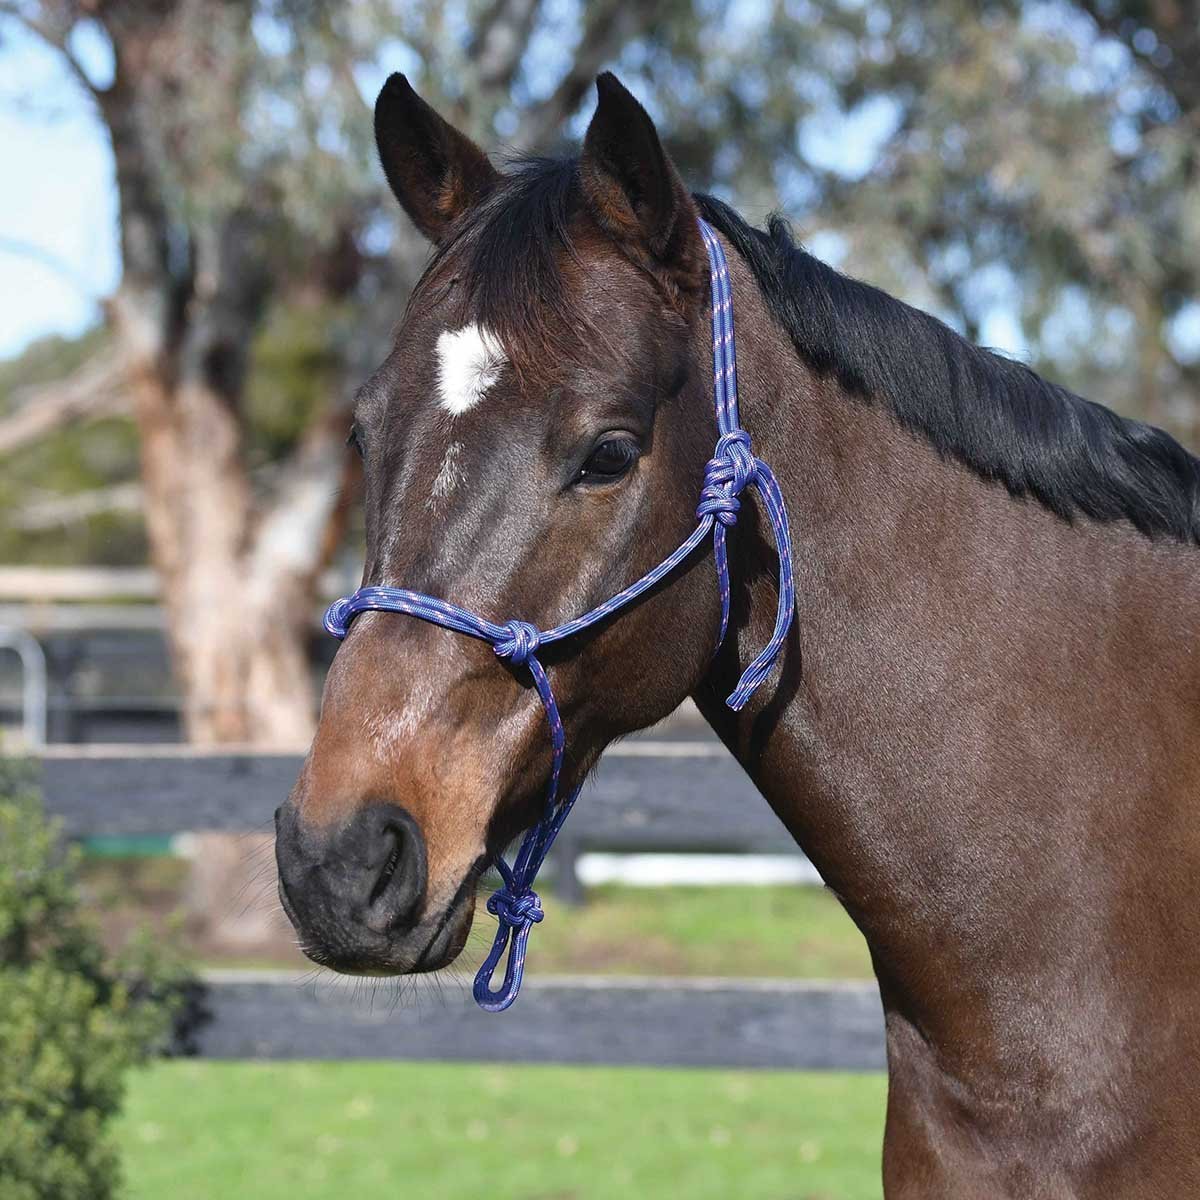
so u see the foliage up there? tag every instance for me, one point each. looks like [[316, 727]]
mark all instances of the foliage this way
[[1028, 169], [1032, 157], [72, 1021], [194, 1130], [37, 521], [70, 462], [1042, 159], [295, 365], [46, 360]]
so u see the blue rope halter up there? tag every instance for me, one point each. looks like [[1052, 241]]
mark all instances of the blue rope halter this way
[[729, 472]]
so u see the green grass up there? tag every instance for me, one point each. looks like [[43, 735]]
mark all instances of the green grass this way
[[308, 1131], [777, 931]]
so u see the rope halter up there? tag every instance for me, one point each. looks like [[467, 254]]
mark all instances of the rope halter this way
[[732, 469]]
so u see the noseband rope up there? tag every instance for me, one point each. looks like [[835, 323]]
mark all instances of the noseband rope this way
[[728, 473]]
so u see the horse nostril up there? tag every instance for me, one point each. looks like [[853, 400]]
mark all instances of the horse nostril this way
[[389, 869], [352, 889], [399, 887]]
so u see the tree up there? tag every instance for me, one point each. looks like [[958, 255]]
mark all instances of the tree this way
[[202, 253], [1038, 158], [240, 142], [73, 1020], [1045, 157]]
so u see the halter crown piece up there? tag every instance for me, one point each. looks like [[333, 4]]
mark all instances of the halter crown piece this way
[[729, 472]]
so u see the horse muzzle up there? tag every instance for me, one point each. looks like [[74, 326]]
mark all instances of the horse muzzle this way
[[356, 892]]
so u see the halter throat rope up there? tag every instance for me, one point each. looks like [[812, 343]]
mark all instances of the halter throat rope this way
[[732, 469]]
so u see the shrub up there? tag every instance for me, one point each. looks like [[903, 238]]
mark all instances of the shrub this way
[[72, 1018]]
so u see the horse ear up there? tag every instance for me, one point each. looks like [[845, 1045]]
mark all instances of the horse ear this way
[[634, 193], [436, 172]]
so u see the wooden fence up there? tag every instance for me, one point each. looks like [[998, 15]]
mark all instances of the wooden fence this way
[[774, 1024], [649, 794]]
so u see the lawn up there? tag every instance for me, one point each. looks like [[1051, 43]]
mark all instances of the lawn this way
[[311, 1131], [793, 931], [308, 1131]]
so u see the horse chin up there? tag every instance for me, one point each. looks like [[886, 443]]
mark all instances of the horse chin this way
[[435, 943], [449, 935]]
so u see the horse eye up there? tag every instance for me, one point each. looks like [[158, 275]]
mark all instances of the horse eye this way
[[354, 438], [609, 460]]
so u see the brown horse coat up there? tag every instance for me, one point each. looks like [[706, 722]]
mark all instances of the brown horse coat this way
[[984, 730]]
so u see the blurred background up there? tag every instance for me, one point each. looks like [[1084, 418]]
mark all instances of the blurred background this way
[[200, 263]]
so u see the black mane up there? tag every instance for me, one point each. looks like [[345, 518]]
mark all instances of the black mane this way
[[996, 416]]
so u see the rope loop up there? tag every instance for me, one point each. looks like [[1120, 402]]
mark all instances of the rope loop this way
[[517, 910], [521, 640]]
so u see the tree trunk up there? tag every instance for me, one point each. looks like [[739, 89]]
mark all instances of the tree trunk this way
[[239, 612], [239, 571], [245, 677], [239, 579]]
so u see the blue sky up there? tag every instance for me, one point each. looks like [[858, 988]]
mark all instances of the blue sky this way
[[57, 205]]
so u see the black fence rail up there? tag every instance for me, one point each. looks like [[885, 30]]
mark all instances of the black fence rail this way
[[649, 794], [744, 1024]]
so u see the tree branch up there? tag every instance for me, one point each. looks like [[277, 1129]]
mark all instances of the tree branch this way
[[49, 511], [500, 41], [299, 530], [38, 254], [611, 25], [56, 39], [96, 389], [148, 285]]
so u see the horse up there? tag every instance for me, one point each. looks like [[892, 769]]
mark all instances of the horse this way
[[983, 724]]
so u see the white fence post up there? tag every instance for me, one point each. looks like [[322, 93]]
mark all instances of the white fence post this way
[[33, 684]]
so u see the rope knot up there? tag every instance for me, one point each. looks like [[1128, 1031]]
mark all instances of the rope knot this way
[[523, 909], [520, 641], [734, 448], [729, 472]]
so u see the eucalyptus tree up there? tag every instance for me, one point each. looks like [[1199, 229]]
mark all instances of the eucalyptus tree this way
[[1037, 160], [241, 149]]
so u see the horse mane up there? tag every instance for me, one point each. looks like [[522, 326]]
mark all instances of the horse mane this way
[[993, 414]]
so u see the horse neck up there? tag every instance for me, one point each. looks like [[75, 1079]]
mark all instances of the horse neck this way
[[977, 703]]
